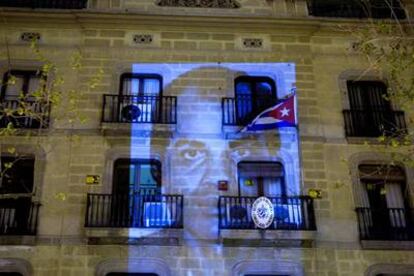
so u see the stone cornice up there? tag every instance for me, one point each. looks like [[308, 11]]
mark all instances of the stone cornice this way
[[123, 20]]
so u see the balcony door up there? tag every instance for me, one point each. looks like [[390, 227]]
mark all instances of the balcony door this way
[[140, 98], [261, 179], [388, 210], [16, 188], [135, 182], [137, 176], [371, 112], [253, 95]]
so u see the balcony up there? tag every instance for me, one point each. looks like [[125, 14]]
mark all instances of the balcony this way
[[242, 110], [134, 211], [356, 9], [391, 224], [38, 117], [45, 4], [18, 216], [139, 109], [291, 213], [363, 123]]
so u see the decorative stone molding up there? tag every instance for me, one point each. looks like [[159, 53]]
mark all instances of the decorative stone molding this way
[[267, 267], [253, 43], [16, 265], [221, 4], [380, 269], [143, 39], [30, 36], [141, 265]]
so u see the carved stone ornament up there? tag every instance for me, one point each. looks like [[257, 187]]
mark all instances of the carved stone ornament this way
[[143, 39], [30, 36], [253, 43], [222, 4]]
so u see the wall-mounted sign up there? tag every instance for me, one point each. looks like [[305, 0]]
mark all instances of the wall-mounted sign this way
[[223, 185], [93, 179], [263, 213], [315, 193]]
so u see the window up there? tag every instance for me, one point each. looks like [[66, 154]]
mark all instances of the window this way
[[253, 95], [140, 84], [261, 179], [137, 176], [140, 97], [386, 213], [356, 8], [223, 4], [25, 83], [17, 211], [370, 113]]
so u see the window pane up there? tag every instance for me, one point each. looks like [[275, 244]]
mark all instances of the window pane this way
[[243, 89], [261, 179], [263, 89], [152, 87], [19, 177], [133, 175], [14, 90], [33, 84]]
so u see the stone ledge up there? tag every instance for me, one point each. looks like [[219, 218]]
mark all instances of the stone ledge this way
[[387, 245], [138, 129], [137, 236], [272, 238]]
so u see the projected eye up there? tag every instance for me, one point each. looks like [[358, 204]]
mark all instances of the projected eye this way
[[192, 154]]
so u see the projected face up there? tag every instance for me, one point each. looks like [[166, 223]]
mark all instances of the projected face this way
[[198, 155]]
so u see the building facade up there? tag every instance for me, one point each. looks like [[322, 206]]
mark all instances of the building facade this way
[[159, 180]]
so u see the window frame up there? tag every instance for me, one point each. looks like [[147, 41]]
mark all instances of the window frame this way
[[141, 77], [283, 177], [140, 161], [27, 75], [255, 109]]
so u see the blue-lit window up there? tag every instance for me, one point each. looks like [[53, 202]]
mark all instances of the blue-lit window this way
[[253, 95], [137, 176]]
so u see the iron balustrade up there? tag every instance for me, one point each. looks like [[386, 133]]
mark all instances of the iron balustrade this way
[[134, 211], [38, 114], [45, 4], [356, 9], [369, 123], [385, 224], [243, 109], [139, 109], [291, 213], [18, 216]]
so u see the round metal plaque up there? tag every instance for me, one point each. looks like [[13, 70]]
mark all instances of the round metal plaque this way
[[262, 213]]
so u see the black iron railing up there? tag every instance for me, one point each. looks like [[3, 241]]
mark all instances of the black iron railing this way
[[134, 211], [386, 224], [139, 109], [45, 4], [24, 113], [291, 213], [362, 123], [356, 9], [243, 109], [18, 216]]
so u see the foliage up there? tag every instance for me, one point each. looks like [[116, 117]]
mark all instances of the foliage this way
[[50, 96], [388, 46]]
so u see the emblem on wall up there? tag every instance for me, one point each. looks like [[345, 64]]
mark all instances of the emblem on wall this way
[[262, 213]]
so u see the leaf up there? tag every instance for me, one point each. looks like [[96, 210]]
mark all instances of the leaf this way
[[60, 196], [11, 150]]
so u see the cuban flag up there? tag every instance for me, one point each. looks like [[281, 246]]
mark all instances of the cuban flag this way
[[283, 114]]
